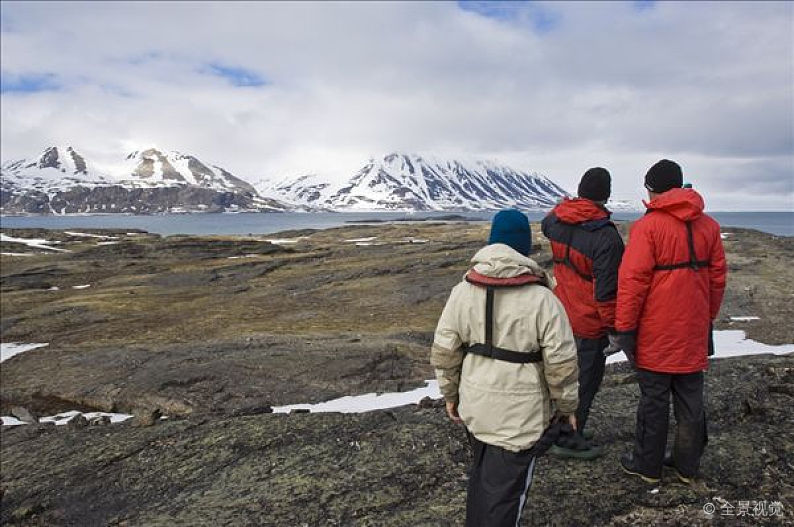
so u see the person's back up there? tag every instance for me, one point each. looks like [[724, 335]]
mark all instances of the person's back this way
[[670, 292], [503, 403], [503, 352]]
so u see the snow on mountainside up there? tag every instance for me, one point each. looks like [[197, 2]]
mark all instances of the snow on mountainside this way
[[61, 180], [412, 182], [57, 168], [153, 168]]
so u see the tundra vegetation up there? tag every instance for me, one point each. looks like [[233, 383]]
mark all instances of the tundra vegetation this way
[[212, 332]]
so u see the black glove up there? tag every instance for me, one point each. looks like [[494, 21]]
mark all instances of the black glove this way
[[627, 342]]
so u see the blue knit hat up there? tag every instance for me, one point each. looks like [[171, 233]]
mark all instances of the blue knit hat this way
[[511, 227]]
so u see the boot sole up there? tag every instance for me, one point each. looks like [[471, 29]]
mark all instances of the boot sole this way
[[591, 453], [643, 477]]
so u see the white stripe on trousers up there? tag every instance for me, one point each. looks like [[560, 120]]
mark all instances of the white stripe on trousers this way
[[528, 484]]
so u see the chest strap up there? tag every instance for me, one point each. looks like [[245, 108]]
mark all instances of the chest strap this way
[[693, 263], [488, 349], [567, 260]]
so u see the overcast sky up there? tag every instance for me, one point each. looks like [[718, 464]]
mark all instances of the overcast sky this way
[[269, 90]]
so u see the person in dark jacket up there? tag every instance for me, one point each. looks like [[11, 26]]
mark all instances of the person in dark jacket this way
[[670, 287], [587, 250]]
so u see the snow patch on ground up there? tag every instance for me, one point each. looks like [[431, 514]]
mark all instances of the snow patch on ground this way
[[730, 343], [107, 243], [65, 417], [81, 286], [9, 349], [361, 240], [744, 319], [17, 254], [89, 235], [38, 243], [367, 402], [284, 241], [252, 255]]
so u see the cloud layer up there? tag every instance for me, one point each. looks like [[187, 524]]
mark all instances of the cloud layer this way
[[277, 89]]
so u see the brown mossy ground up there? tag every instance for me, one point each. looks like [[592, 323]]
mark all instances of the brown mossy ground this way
[[207, 328], [404, 467]]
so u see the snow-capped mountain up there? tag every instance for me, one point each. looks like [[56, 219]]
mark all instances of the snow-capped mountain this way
[[153, 168], [413, 182], [56, 168], [61, 180]]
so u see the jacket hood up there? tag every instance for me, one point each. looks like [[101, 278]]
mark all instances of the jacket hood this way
[[502, 261], [683, 203], [579, 210]]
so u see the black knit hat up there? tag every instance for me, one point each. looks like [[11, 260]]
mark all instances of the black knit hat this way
[[596, 184], [663, 176]]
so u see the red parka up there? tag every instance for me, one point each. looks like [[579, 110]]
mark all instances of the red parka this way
[[587, 249], [666, 293]]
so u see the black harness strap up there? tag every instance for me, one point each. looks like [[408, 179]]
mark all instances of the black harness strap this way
[[693, 263], [489, 350], [567, 260]]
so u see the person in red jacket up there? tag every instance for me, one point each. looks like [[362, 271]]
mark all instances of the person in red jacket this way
[[587, 249], [670, 287]]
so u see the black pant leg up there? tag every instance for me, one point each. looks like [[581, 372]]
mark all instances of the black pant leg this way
[[690, 417], [653, 416], [498, 485], [591, 372]]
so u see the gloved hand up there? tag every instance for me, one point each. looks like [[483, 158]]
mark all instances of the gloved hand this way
[[627, 342]]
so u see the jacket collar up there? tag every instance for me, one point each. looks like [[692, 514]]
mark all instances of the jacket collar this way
[[502, 261]]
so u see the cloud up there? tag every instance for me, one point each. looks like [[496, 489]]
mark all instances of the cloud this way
[[278, 89]]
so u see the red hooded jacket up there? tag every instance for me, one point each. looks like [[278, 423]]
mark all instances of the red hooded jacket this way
[[667, 293], [587, 249]]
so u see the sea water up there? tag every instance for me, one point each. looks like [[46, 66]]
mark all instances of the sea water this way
[[254, 223]]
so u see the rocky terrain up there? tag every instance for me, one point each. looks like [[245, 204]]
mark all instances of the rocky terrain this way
[[214, 331]]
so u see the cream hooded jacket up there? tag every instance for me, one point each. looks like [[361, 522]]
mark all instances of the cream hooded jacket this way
[[502, 403]]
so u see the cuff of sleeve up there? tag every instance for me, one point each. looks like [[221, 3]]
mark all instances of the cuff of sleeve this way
[[626, 332]]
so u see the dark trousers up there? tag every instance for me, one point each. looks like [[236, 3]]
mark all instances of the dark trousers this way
[[653, 415], [499, 481], [591, 372]]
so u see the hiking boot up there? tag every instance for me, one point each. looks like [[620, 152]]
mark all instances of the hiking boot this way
[[669, 463], [574, 446], [627, 464]]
